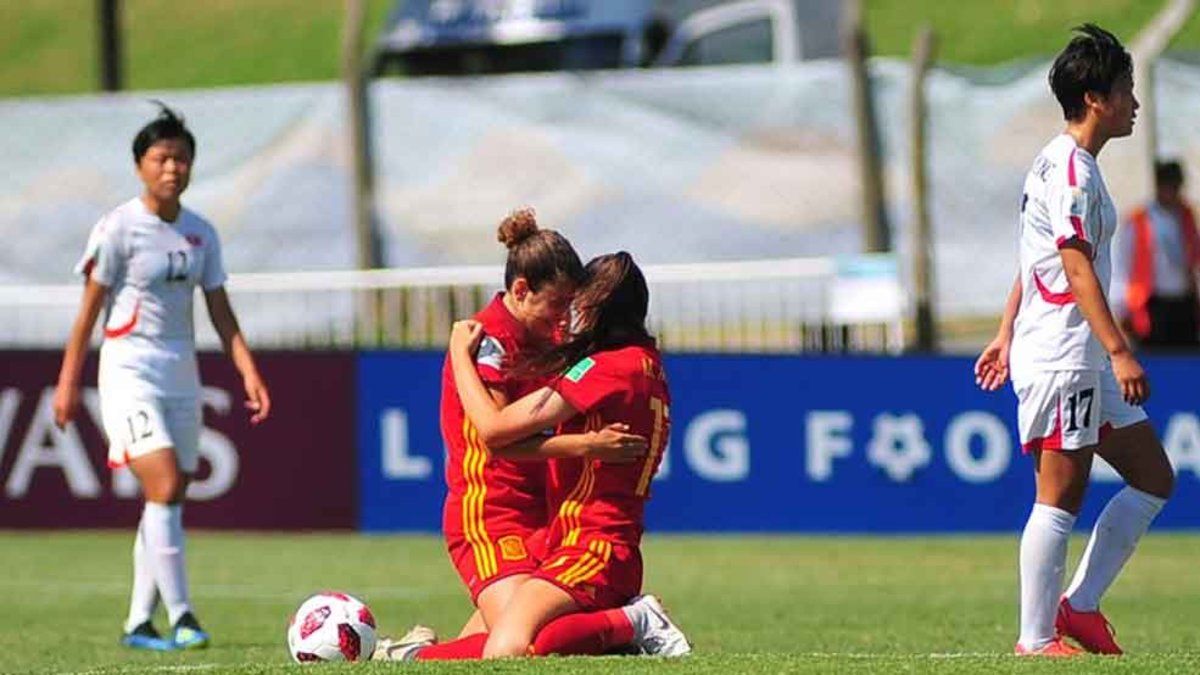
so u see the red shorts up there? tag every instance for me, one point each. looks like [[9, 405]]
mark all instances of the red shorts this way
[[483, 561], [598, 575]]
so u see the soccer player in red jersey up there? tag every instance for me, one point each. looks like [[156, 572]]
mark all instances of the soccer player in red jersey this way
[[495, 510], [578, 600]]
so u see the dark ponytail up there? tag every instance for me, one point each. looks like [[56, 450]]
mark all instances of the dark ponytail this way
[[610, 312]]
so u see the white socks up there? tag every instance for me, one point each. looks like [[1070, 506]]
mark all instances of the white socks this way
[[162, 529], [1044, 556], [1043, 561], [1122, 523], [144, 597]]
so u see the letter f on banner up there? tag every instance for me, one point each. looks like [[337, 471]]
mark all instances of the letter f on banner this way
[[827, 437]]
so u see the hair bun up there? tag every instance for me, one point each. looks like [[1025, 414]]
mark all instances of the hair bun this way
[[520, 225]]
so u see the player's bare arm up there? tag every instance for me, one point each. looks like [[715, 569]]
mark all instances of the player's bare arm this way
[[1089, 296], [516, 429], [613, 443], [66, 394], [536, 412], [991, 368], [258, 398]]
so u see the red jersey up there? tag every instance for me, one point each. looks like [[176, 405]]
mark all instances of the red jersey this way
[[599, 500], [489, 497]]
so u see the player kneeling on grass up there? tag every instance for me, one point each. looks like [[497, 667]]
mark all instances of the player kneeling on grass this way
[[142, 265], [494, 516], [583, 597], [1079, 388]]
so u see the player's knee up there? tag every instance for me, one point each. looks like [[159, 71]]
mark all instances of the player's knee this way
[[1164, 485], [503, 644], [1158, 478], [167, 488]]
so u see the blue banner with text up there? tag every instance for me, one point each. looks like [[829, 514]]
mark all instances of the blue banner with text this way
[[795, 444]]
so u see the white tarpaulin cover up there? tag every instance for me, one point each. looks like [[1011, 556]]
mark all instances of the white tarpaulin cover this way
[[678, 165]]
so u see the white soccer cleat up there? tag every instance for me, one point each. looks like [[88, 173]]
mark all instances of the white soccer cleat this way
[[657, 634], [405, 648]]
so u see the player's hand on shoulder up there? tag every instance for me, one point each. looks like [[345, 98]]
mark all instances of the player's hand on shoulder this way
[[1135, 386], [614, 443], [465, 336], [258, 399], [66, 403], [991, 368]]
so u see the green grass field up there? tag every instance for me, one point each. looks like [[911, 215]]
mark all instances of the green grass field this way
[[49, 46], [750, 604]]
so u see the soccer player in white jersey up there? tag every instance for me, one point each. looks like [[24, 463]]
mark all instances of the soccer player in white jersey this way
[[142, 264], [1079, 388]]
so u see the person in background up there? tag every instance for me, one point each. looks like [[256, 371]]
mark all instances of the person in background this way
[[1156, 259]]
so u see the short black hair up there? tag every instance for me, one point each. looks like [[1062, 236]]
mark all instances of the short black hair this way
[[166, 126], [1092, 61], [1168, 173]]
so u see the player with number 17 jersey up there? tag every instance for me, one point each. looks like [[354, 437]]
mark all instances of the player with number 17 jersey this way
[[598, 507], [1067, 394]]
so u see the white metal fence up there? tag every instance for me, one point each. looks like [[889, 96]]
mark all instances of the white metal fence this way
[[785, 305]]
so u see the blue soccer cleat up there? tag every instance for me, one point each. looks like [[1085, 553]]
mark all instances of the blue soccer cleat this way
[[188, 634], [145, 637]]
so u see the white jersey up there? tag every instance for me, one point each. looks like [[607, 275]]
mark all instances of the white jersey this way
[[1065, 199], [151, 269]]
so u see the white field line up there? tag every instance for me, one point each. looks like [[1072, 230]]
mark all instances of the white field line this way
[[903, 657], [221, 591], [181, 668], [944, 655]]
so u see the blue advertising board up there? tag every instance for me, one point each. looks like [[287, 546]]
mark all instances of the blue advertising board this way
[[794, 444], [401, 457]]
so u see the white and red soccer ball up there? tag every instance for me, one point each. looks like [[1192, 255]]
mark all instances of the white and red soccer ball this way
[[331, 627]]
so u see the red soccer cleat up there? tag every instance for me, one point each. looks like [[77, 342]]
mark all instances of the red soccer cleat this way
[[1089, 629], [1056, 648]]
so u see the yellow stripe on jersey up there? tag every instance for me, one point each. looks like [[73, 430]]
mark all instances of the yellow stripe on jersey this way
[[481, 455], [468, 504], [604, 550], [489, 545], [572, 507], [584, 561], [589, 565], [474, 528]]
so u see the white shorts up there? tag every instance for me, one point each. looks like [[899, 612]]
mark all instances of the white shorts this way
[[138, 425], [1071, 409]]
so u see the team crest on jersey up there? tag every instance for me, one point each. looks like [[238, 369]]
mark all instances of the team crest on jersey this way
[[491, 353], [577, 371], [194, 240], [512, 547]]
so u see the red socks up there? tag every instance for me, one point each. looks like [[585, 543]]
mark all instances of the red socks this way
[[470, 647], [571, 634], [590, 633]]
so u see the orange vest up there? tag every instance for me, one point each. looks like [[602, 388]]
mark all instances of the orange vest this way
[[1141, 271]]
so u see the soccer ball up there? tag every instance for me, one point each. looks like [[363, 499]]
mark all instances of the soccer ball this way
[[331, 627]]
